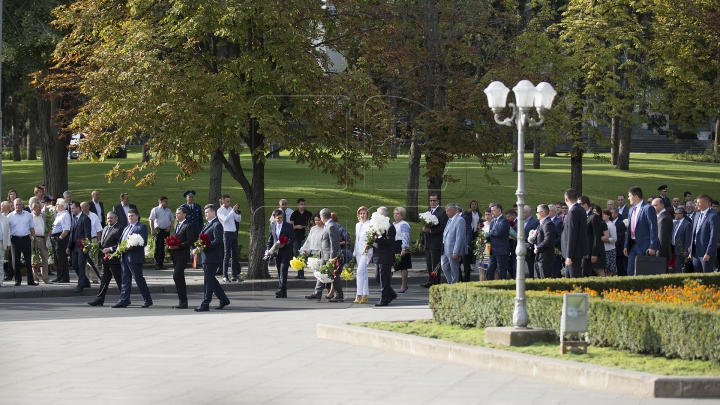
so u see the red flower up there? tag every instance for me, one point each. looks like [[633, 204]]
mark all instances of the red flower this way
[[172, 241], [433, 274], [80, 242], [283, 239], [205, 239]]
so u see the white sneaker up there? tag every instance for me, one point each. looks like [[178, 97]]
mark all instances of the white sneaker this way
[[225, 280]]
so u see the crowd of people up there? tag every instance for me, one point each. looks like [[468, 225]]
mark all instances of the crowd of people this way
[[571, 238]]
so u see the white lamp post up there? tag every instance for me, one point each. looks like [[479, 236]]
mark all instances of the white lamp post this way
[[526, 96]]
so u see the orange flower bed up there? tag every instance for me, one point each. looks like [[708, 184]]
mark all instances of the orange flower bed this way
[[692, 293]]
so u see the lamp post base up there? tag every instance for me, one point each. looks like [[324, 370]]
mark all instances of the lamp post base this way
[[511, 336]]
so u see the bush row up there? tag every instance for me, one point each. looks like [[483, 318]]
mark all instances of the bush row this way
[[686, 332]]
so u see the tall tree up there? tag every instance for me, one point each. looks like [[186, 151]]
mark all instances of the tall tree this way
[[200, 76]]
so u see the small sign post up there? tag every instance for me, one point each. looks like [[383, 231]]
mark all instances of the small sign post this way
[[574, 320]]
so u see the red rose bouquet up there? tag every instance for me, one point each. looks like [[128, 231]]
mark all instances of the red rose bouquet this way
[[281, 241], [171, 241], [202, 242]]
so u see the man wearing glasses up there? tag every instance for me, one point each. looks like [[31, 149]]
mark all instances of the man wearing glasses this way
[[432, 239]]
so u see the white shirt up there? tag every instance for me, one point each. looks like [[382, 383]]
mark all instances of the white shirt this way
[[20, 224], [39, 223], [95, 225], [612, 233], [663, 210], [278, 228], [62, 222], [288, 212], [163, 217], [177, 227], [475, 220], [227, 217], [125, 208], [98, 210]]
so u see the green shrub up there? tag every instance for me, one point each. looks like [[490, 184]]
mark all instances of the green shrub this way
[[669, 330], [706, 156]]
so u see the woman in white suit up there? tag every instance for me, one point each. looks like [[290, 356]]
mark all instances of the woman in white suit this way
[[362, 257]]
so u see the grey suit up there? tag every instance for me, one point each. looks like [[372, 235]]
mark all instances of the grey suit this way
[[454, 242], [682, 237], [329, 249], [665, 228]]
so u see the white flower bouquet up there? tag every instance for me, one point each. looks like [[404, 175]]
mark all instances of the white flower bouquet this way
[[531, 236], [314, 263], [427, 219], [133, 240], [626, 222], [513, 234], [379, 224]]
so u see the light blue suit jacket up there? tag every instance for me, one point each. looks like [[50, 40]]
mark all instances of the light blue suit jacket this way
[[646, 228], [454, 239], [706, 238]]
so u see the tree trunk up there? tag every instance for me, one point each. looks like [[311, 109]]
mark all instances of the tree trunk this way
[[623, 162], [257, 267], [536, 154], [413, 184], [576, 151], [15, 130], [31, 131], [614, 137], [216, 171], [53, 147], [717, 131]]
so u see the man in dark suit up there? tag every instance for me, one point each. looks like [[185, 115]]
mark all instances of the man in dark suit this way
[[97, 207], [110, 237], [122, 209], [705, 235], [621, 230], [594, 237], [185, 232], [470, 235], [690, 211], [544, 243], [284, 253], [530, 224], [79, 230], [665, 230], [558, 223], [499, 239], [131, 262], [642, 235], [384, 259], [574, 244], [623, 210], [663, 196], [211, 257], [681, 240], [431, 240]]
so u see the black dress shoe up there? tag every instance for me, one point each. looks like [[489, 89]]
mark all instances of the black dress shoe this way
[[300, 277], [78, 289], [146, 305], [337, 299], [32, 283], [119, 306], [381, 304], [95, 303], [426, 285], [201, 309], [182, 305], [222, 305], [17, 283], [317, 296], [280, 295]]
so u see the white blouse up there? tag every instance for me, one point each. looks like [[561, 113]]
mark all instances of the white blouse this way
[[360, 236], [613, 236], [312, 243]]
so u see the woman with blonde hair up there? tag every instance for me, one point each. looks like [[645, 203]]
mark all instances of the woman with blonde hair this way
[[361, 257], [402, 244]]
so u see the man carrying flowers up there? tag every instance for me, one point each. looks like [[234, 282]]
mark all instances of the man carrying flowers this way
[[280, 245]]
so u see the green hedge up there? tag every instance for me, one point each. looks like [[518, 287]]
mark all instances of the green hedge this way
[[661, 329]]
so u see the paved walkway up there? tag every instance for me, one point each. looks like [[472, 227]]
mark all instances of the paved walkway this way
[[259, 351]]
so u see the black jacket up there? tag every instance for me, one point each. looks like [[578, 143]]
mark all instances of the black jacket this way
[[81, 229], [100, 215], [186, 236], [384, 247], [122, 218], [434, 239], [110, 237], [574, 242], [286, 252]]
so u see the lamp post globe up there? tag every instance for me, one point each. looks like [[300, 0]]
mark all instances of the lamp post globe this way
[[497, 95]]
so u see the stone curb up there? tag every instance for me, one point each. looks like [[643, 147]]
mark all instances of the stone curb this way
[[269, 285], [561, 371]]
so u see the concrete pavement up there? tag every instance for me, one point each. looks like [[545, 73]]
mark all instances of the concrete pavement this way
[[260, 350]]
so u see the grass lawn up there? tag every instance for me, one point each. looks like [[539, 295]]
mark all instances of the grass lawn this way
[[289, 180], [602, 356]]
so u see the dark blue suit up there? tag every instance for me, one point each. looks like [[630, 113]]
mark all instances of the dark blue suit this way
[[557, 264], [646, 233], [620, 258], [532, 224], [284, 254], [80, 230], [499, 247], [704, 240], [211, 257], [682, 235], [131, 263], [195, 217]]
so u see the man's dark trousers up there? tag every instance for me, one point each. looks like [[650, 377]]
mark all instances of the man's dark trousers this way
[[22, 245], [383, 277], [179, 279], [212, 285], [282, 264], [78, 261], [574, 270], [499, 263], [159, 256], [432, 259], [230, 245], [61, 259], [110, 271]]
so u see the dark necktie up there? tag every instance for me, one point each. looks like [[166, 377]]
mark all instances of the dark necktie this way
[[177, 227]]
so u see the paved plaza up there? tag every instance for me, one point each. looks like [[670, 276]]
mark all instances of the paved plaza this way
[[260, 350]]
